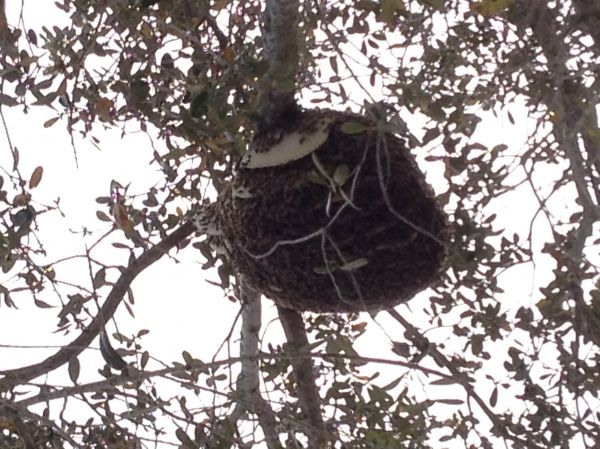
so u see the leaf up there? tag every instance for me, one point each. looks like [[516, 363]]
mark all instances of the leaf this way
[[355, 264], [436, 4], [494, 397], [7, 100], [182, 436], [36, 177], [103, 107], [490, 8], [389, 8], [322, 270], [340, 176], [228, 55], [49, 123], [353, 127], [121, 218], [42, 304], [102, 216], [220, 4], [144, 359], [99, 278], [450, 401], [74, 369], [187, 357], [5, 296]]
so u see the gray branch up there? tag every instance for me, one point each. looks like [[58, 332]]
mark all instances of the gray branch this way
[[248, 383], [281, 46], [308, 394]]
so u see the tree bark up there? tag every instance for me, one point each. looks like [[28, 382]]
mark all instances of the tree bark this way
[[281, 48]]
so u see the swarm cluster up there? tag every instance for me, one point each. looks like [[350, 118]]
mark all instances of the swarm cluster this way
[[352, 226]]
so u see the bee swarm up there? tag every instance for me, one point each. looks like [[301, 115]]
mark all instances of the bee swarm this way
[[319, 234]]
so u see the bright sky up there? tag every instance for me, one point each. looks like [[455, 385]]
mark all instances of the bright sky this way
[[173, 301]]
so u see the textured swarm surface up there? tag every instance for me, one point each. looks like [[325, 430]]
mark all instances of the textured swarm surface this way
[[366, 256]]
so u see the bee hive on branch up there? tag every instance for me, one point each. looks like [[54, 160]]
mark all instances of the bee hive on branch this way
[[332, 215]]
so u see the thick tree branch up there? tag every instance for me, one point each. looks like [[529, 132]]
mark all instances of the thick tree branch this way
[[276, 99], [308, 394], [280, 40], [114, 298], [248, 383], [3, 24], [565, 101]]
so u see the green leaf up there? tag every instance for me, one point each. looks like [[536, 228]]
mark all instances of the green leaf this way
[[437, 4], [490, 8], [340, 176], [389, 9], [353, 127]]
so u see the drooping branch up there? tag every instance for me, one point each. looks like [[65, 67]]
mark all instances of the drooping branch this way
[[114, 298]]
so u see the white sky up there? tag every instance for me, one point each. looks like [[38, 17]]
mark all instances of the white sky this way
[[173, 301]]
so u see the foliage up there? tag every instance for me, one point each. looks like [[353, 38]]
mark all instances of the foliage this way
[[478, 360]]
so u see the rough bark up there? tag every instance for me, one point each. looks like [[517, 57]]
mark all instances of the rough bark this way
[[308, 394], [281, 47]]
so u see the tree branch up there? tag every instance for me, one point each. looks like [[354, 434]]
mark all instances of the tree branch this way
[[20, 375], [280, 41], [3, 23], [248, 382], [308, 394]]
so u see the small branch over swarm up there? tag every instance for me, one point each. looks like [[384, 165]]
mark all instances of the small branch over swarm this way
[[114, 298]]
